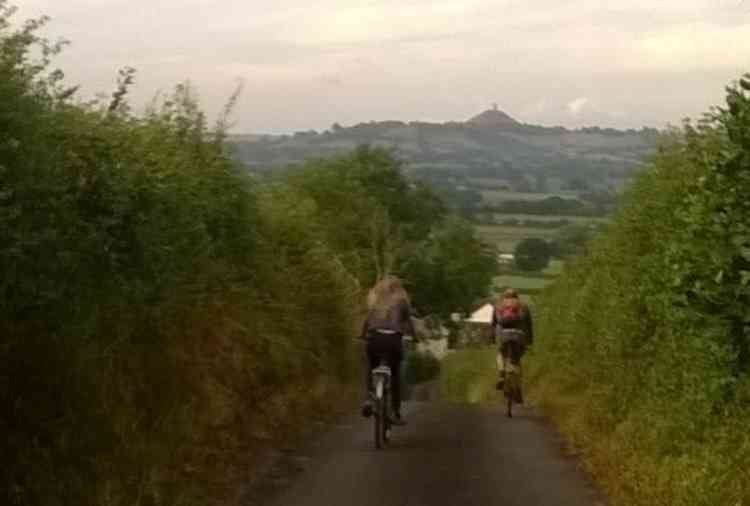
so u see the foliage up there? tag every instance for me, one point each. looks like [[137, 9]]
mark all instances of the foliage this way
[[647, 370], [549, 206], [393, 226], [469, 375], [148, 334], [462, 200], [162, 313], [370, 214], [533, 254], [448, 152], [451, 269], [571, 240], [420, 367]]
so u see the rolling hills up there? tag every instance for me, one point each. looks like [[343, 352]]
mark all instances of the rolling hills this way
[[489, 151]]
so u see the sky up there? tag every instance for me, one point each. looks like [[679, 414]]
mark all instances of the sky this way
[[305, 64]]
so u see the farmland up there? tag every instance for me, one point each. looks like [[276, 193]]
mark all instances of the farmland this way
[[521, 218], [505, 238], [499, 196]]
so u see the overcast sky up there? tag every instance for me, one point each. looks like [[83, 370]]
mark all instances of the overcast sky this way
[[307, 63]]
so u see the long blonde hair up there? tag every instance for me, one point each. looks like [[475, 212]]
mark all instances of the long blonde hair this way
[[386, 294]]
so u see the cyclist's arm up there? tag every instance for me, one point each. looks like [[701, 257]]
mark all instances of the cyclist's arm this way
[[365, 328]]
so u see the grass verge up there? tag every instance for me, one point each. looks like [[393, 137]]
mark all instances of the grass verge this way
[[469, 375]]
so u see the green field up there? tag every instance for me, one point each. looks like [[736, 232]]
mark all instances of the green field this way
[[554, 269], [505, 238], [469, 376], [528, 285], [521, 283], [490, 183]]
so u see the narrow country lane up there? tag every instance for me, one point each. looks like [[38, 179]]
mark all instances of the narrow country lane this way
[[447, 455]]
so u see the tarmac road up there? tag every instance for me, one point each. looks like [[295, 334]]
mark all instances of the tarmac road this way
[[447, 455]]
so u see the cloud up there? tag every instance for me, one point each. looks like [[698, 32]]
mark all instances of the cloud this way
[[547, 61], [694, 46], [576, 106]]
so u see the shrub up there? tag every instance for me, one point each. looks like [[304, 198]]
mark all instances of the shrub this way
[[420, 367], [642, 348]]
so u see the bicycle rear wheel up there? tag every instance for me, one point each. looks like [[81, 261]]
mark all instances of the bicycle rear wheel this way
[[510, 390], [386, 416], [379, 414]]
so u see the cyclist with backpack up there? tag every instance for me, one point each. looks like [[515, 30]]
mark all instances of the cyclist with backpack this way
[[388, 321], [513, 331]]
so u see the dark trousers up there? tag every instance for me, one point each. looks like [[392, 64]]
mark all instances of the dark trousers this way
[[386, 347]]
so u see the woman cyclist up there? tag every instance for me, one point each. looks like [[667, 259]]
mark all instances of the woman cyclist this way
[[388, 321]]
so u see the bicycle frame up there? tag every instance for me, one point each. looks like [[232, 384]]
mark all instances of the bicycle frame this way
[[512, 372], [381, 379]]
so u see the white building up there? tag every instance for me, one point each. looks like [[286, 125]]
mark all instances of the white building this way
[[482, 315]]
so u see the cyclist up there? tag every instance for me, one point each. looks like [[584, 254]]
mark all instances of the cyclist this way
[[513, 331], [388, 321]]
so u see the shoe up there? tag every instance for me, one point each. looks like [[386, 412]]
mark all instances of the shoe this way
[[367, 409]]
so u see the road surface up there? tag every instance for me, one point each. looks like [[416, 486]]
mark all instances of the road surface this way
[[447, 455]]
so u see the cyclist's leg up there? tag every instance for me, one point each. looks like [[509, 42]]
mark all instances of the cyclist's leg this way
[[372, 361], [517, 354], [502, 362]]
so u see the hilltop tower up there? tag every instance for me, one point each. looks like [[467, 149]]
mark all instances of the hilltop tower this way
[[494, 117]]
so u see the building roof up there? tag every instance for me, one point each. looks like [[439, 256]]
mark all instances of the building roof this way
[[482, 315]]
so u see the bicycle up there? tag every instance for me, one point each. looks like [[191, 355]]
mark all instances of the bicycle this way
[[511, 353], [381, 399], [381, 380]]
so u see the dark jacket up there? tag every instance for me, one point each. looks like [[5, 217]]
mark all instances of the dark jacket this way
[[397, 319], [524, 324]]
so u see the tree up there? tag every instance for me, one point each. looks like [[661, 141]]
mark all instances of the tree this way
[[572, 239], [450, 270], [533, 254], [577, 184], [372, 216]]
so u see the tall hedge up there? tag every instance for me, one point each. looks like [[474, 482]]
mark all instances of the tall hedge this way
[[643, 342], [160, 317]]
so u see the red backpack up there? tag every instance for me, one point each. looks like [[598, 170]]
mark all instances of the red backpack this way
[[509, 311]]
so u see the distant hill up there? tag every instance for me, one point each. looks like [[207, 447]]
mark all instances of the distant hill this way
[[490, 150], [493, 118]]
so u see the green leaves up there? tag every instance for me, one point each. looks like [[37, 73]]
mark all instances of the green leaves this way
[[647, 333], [533, 254], [450, 270], [377, 222], [370, 214]]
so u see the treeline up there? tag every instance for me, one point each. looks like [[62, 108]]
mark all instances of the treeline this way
[[162, 313], [548, 206], [526, 223], [644, 345]]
